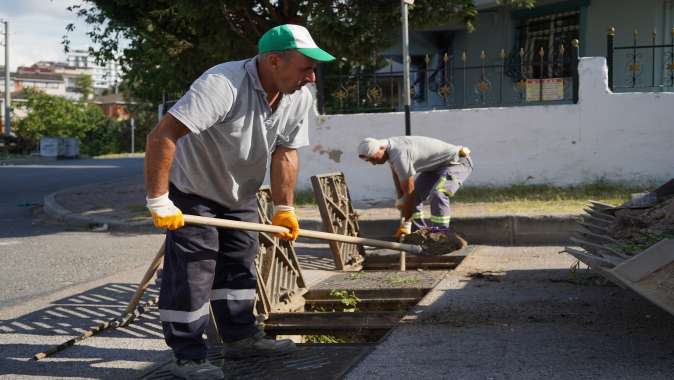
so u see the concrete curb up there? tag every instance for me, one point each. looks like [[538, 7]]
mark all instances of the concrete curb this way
[[501, 229], [58, 212]]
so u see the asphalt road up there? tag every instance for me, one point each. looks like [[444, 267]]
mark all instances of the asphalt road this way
[[38, 256], [22, 186]]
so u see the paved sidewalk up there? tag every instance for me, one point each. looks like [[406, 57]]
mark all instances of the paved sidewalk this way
[[519, 313], [505, 312]]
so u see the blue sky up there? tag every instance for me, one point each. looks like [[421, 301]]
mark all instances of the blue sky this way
[[36, 28]]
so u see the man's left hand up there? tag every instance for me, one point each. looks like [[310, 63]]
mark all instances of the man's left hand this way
[[285, 217], [404, 229]]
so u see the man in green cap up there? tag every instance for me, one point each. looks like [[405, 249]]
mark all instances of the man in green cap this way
[[208, 156]]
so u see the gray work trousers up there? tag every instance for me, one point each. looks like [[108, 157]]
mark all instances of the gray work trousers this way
[[438, 186]]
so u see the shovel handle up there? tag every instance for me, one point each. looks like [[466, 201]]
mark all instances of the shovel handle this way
[[248, 226]]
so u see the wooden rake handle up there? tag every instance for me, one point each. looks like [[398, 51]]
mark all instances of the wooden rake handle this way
[[248, 226]]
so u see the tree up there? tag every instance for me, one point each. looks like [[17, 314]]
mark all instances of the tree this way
[[84, 86], [55, 116], [173, 41]]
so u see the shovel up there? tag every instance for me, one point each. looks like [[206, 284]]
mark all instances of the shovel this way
[[248, 226]]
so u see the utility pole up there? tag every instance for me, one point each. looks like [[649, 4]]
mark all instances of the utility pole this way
[[8, 98], [406, 66], [133, 132]]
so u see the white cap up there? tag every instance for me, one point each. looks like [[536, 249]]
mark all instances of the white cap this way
[[369, 146]]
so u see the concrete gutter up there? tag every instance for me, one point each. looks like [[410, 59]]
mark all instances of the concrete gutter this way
[[497, 230]]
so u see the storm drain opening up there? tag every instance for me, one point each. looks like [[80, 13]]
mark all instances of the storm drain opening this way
[[336, 322], [344, 316]]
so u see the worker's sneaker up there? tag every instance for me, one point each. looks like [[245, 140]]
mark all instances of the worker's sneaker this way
[[257, 345], [196, 370]]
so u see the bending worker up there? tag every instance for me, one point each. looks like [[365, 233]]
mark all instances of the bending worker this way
[[422, 168], [208, 156]]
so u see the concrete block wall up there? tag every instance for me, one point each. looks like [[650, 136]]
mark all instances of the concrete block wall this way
[[622, 137]]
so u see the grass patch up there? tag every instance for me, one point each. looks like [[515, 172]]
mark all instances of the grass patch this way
[[545, 198], [304, 197], [548, 193], [395, 279], [530, 197]]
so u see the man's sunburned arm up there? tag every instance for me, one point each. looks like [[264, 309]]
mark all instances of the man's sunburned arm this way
[[284, 169], [159, 152]]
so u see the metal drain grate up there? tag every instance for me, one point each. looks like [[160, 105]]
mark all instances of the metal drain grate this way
[[280, 286], [339, 217], [308, 362]]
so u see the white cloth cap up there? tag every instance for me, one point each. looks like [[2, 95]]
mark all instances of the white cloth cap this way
[[369, 146]]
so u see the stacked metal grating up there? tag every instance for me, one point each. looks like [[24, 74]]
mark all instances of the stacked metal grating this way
[[334, 203], [649, 272], [280, 286]]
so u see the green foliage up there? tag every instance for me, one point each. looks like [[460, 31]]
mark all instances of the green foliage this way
[[644, 240], [174, 41], [305, 197], [395, 279], [349, 300], [58, 117], [326, 339], [145, 118], [84, 86], [104, 137]]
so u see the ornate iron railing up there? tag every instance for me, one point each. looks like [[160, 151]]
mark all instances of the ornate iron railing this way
[[519, 78], [640, 67]]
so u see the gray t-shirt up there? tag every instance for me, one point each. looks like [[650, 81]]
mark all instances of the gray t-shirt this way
[[411, 154], [234, 133]]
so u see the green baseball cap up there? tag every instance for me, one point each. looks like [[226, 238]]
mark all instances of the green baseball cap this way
[[292, 37]]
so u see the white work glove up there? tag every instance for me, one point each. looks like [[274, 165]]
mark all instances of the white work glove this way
[[164, 213]]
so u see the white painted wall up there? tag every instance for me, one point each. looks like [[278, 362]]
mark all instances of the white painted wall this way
[[624, 137]]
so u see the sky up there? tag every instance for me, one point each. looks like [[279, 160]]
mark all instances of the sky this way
[[36, 28]]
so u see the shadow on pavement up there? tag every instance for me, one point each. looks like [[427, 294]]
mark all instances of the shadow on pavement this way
[[315, 258], [112, 353], [532, 324]]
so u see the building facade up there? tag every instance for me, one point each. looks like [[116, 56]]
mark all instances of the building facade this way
[[517, 56], [107, 76]]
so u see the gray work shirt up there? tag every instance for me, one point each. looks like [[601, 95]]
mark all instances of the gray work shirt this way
[[411, 154], [234, 133]]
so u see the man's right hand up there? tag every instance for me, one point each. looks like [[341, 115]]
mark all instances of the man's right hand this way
[[164, 213]]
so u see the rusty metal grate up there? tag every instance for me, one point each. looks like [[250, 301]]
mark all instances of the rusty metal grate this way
[[650, 273], [334, 203], [308, 362], [592, 236], [280, 286]]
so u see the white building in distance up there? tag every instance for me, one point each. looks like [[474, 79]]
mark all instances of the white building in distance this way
[[104, 77]]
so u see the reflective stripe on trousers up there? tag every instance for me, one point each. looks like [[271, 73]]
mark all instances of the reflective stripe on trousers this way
[[438, 186], [206, 266]]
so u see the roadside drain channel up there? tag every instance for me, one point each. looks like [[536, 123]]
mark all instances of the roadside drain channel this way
[[344, 318]]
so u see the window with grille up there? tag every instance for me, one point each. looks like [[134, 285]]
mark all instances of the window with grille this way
[[548, 32]]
